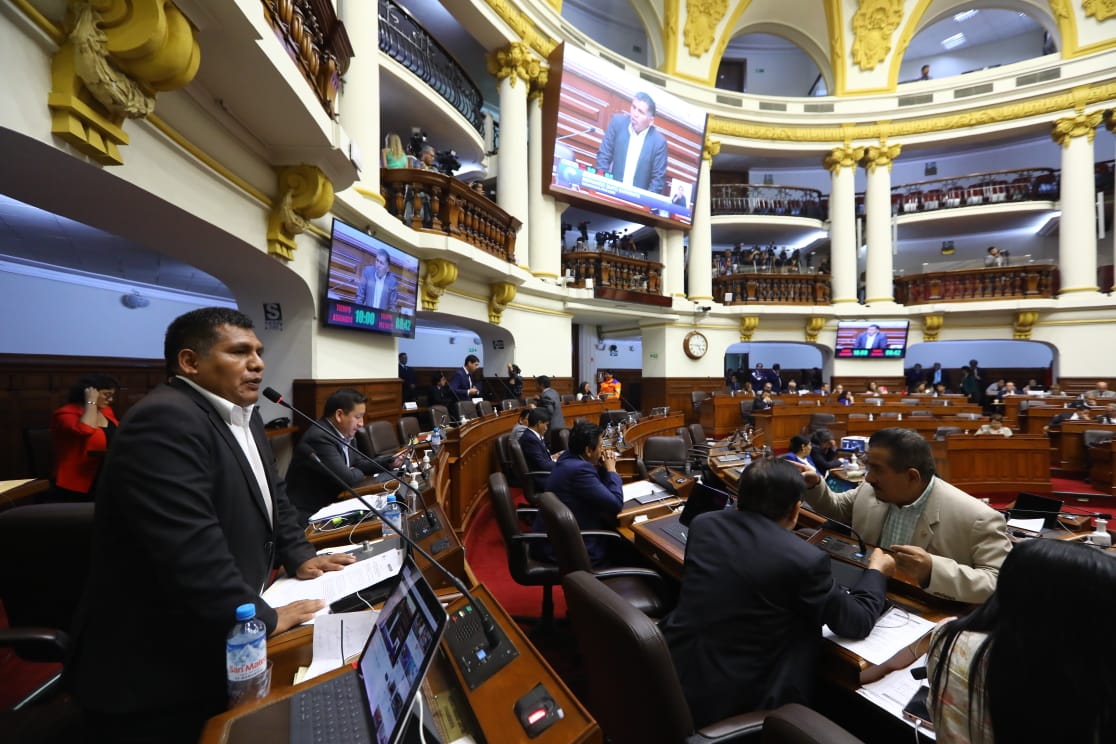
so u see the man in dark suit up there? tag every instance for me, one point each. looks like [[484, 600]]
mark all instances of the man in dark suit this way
[[754, 596], [551, 401], [627, 132], [308, 485], [871, 338], [533, 443], [191, 517], [440, 394], [378, 287], [462, 384], [407, 375]]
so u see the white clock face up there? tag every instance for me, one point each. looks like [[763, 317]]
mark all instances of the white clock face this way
[[697, 344]]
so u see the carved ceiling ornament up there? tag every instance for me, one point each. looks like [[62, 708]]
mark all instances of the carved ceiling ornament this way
[[514, 61], [304, 193], [748, 326], [843, 157], [502, 295], [523, 26], [1079, 125], [440, 273], [702, 18], [1102, 10], [874, 23]]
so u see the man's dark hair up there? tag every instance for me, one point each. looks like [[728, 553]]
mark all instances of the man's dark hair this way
[[101, 382], [436, 378], [797, 442], [905, 449], [821, 437], [524, 413], [197, 330], [383, 252], [583, 436], [536, 415], [472, 358], [771, 487], [543, 381], [345, 400], [641, 96]]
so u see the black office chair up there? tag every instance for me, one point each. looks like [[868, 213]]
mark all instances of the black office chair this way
[[634, 692], [568, 398], [669, 451], [642, 588], [40, 452], [484, 408], [465, 409], [525, 477], [617, 417], [377, 438], [439, 415], [509, 404], [696, 397], [944, 431], [558, 440], [746, 407], [503, 451], [524, 570], [409, 428], [819, 421]]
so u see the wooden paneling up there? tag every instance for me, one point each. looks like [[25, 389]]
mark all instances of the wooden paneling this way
[[385, 398], [1102, 467], [720, 415], [992, 464], [675, 393]]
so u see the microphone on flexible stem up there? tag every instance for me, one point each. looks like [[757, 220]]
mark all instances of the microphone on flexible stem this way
[[587, 130], [488, 625], [431, 522], [846, 529]]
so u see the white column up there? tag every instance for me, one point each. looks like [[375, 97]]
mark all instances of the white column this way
[[514, 66], [360, 97], [673, 256], [1110, 124], [878, 285], [544, 256], [1077, 234], [699, 270], [841, 163]]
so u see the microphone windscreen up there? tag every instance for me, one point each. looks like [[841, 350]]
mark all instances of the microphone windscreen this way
[[273, 395]]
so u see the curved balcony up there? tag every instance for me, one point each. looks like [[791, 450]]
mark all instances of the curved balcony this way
[[316, 40], [407, 42], [772, 289], [429, 201], [758, 199], [977, 189], [617, 277], [1030, 281]]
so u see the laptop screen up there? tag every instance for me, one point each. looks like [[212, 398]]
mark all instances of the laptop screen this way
[[1032, 506], [403, 642], [703, 498]]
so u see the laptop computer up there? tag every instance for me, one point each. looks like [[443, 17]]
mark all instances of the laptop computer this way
[[1034, 506], [704, 498], [372, 703]]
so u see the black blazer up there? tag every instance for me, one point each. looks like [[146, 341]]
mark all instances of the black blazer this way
[[308, 487], [181, 538], [537, 457], [748, 622]]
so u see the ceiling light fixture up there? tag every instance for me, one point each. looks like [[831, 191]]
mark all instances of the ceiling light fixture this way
[[953, 41], [965, 15]]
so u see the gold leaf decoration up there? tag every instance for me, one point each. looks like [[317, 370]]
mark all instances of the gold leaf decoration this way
[[932, 326], [814, 326], [1080, 125], [304, 193], [874, 23], [748, 326], [843, 157], [515, 61], [502, 295], [1102, 10], [702, 17], [1024, 323], [440, 273]]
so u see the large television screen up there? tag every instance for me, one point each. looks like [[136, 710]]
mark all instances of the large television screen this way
[[871, 339], [618, 143], [372, 286]]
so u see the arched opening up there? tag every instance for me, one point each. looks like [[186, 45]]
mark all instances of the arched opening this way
[[443, 341], [1017, 361], [773, 61], [617, 26], [804, 364]]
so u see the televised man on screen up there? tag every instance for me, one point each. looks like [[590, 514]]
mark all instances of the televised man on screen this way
[[872, 338], [378, 287], [633, 150]]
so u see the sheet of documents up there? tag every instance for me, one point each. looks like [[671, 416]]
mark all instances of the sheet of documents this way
[[337, 508], [338, 638], [894, 691], [333, 585], [895, 630], [636, 489], [1030, 525]]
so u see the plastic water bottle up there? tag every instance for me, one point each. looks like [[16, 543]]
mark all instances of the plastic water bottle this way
[[246, 657], [1100, 534], [436, 439], [393, 512]]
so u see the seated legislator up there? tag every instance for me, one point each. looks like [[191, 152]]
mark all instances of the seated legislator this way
[[754, 596], [610, 387], [1078, 411], [533, 443], [584, 392], [824, 453], [81, 431], [440, 394], [995, 427], [984, 666], [309, 487], [585, 480], [800, 448], [949, 542], [191, 519]]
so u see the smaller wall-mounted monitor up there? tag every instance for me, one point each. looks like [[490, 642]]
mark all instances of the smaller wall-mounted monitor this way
[[860, 339], [372, 286]]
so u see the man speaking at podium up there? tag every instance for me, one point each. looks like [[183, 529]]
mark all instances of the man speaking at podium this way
[[633, 150], [191, 518]]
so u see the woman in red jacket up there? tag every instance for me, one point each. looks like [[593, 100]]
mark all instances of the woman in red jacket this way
[[81, 431]]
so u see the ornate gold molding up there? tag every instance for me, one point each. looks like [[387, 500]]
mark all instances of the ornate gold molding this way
[[1088, 95], [748, 326], [1078, 125], [874, 23], [702, 17], [502, 295], [523, 26], [843, 157], [304, 193], [440, 273], [1110, 120], [536, 86], [515, 61], [1102, 10], [1024, 323], [116, 56], [814, 326], [711, 149], [932, 326], [884, 155]]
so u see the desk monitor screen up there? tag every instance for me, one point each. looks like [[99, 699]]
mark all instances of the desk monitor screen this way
[[702, 499], [1033, 506], [884, 339]]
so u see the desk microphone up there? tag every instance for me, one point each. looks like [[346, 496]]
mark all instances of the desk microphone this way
[[492, 633], [587, 130], [846, 529], [431, 522]]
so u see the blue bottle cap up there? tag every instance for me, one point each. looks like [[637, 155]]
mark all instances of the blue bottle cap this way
[[245, 612]]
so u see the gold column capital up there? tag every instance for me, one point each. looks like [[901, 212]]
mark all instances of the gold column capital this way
[[711, 149], [440, 273], [502, 293], [304, 193], [814, 326], [932, 326], [516, 60], [1110, 120], [845, 156], [748, 326], [883, 155], [1102, 10], [1023, 325], [1080, 124], [536, 86]]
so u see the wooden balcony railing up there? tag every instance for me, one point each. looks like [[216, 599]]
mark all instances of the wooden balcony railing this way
[[751, 198], [408, 43], [434, 202], [639, 278], [994, 187], [772, 289], [1027, 281], [316, 40]]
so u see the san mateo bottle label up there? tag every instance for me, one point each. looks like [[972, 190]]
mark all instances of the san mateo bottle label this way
[[246, 660]]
